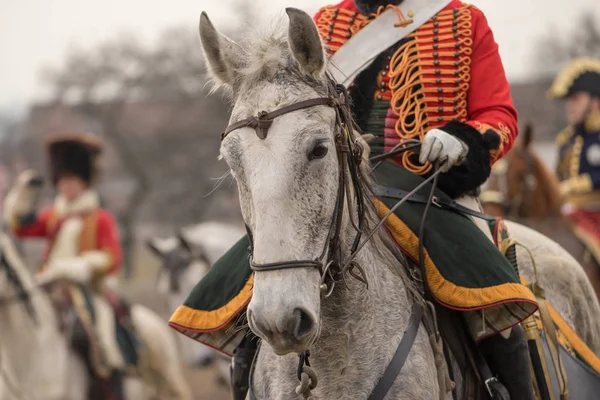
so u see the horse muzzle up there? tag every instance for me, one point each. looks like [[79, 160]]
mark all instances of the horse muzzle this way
[[293, 331]]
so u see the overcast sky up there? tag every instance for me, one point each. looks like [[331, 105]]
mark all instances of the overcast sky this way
[[37, 33]]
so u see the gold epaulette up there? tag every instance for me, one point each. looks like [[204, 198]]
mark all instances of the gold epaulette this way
[[592, 122], [563, 136]]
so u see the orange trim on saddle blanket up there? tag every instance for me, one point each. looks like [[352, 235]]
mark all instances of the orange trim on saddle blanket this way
[[214, 320], [445, 291], [573, 340]]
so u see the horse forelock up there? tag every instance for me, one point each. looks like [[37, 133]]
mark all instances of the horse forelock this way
[[267, 58]]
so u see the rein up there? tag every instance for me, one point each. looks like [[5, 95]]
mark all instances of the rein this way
[[330, 264], [23, 295]]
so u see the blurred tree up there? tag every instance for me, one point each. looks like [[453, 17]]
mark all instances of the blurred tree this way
[[135, 96], [559, 47]]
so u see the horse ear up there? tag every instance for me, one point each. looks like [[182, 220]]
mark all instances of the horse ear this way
[[184, 242], [222, 54], [153, 246], [305, 43], [527, 135]]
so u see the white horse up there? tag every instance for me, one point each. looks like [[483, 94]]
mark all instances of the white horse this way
[[37, 361], [186, 258], [288, 183]]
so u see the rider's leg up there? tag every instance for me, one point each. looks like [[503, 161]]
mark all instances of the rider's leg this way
[[106, 331], [509, 359], [241, 365], [506, 353]]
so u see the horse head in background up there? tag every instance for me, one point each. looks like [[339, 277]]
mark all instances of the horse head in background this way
[[522, 188], [185, 259], [521, 185]]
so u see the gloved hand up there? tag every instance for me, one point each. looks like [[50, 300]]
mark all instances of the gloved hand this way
[[75, 269], [29, 178], [440, 147], [23, 197]]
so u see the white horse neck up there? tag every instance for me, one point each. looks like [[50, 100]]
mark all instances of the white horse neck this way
[[32, 350], [361, 332]]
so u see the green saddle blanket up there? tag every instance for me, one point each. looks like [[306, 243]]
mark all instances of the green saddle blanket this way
[[465, 271]]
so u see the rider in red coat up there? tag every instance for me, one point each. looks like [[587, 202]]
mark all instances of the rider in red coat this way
[[443, 84], [83, 245]]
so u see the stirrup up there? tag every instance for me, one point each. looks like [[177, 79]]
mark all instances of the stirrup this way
[[496, 389]]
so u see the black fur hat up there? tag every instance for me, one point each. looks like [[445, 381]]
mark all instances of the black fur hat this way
[[73, 154]]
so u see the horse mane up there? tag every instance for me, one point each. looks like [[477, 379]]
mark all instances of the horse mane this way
[[552, 185]]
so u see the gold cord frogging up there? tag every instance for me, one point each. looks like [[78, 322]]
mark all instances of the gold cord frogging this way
[[429, 75], [340, 22], [434, 62]]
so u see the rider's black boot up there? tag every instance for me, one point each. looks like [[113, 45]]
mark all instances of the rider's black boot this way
[[242, 363], [116, 385], [509, 360]]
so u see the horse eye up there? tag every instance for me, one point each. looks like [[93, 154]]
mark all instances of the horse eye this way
[[319, 151]]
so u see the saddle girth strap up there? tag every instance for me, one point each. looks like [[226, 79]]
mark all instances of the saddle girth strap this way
[[395, 366]]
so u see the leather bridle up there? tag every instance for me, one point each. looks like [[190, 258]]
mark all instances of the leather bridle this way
[[349, 152], [330, 263]]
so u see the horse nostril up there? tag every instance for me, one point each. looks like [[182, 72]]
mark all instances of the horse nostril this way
[[304, 323]]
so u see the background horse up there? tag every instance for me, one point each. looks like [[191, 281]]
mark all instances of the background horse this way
[[185, 259], [524, 189], [38, 362], [289, 178]]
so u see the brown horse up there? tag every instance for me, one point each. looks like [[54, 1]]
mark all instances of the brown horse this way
[[523, 189]]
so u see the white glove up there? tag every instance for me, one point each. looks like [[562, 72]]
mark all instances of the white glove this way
[[75, 269], [440, 147], [22, 198]]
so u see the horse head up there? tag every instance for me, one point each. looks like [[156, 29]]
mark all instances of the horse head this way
[[183, 263], [291, 150], [520, 185]]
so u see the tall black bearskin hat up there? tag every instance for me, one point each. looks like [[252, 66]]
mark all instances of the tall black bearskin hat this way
[[73, 154], [581, 75]]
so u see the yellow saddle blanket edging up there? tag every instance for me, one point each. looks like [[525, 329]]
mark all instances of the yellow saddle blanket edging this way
[[570, 336], [213, 320], [443, 290]]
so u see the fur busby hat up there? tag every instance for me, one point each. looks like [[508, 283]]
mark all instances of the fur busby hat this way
[[581, 75], [73, 154]]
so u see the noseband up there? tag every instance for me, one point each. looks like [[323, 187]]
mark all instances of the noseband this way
[[349, 155]]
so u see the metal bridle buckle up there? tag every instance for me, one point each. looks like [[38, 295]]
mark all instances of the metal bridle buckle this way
[[435, 201]]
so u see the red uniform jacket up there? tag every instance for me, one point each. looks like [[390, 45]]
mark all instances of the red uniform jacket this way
[[449, 69], [98, 233]]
